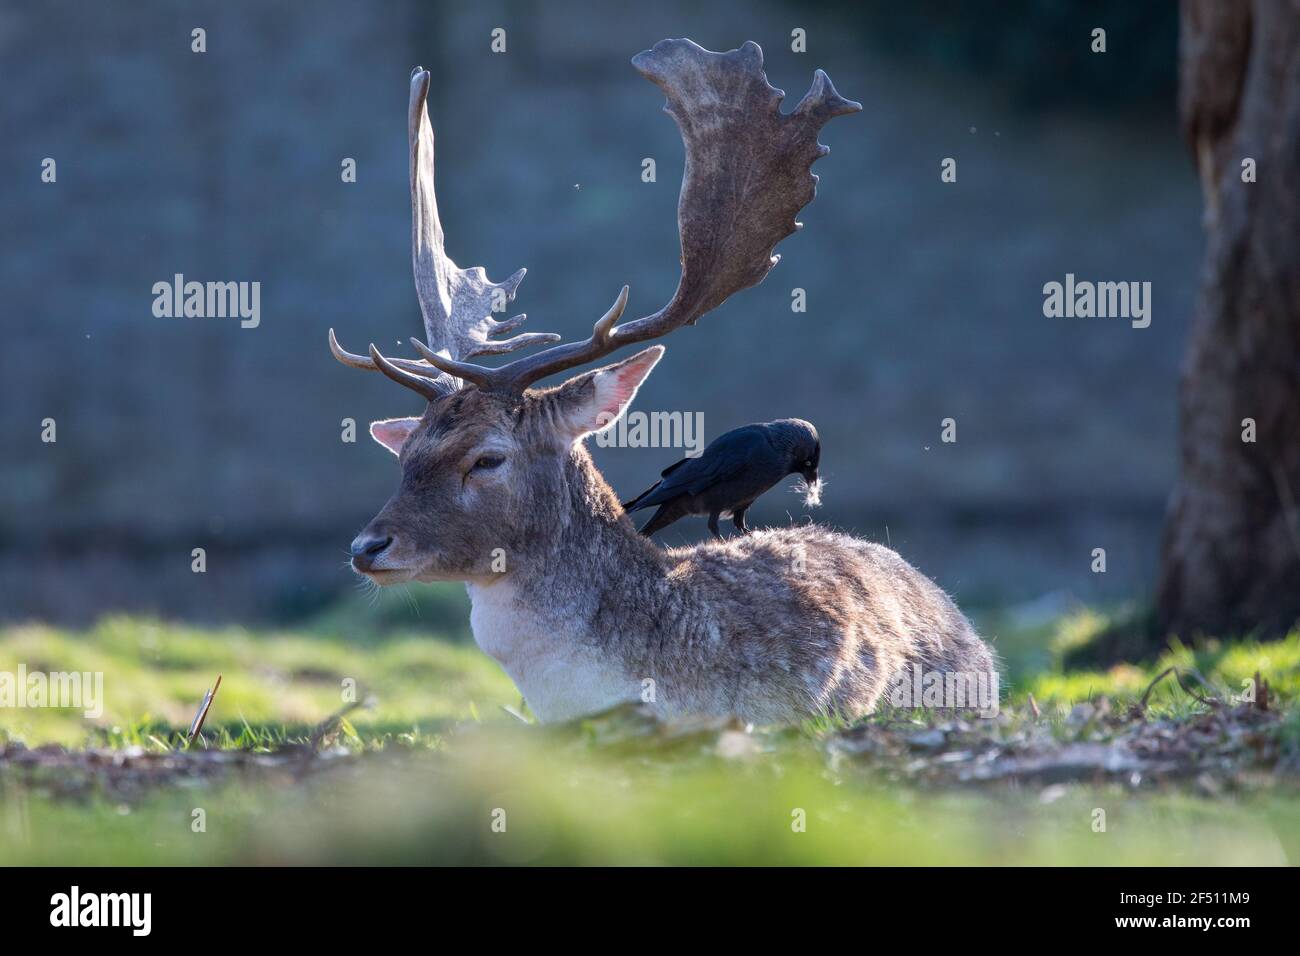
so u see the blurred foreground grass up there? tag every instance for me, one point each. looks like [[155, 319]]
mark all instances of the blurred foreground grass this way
[[423, 775]]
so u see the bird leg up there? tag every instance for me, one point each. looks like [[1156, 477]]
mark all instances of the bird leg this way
[[713, 525], [738, 519]]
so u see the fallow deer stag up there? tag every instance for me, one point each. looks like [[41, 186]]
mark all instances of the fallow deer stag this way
[[498, 490]]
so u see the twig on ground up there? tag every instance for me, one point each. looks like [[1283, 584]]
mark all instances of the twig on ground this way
[[1141, 707], [196, 725], [1208, 701], [1261, 693]]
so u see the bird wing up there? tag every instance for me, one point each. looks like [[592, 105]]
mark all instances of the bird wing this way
[[637, 503], [728, 456], [673, 467]]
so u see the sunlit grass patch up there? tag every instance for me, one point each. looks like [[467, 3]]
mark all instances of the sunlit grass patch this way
[[155, 674], [420, 775], [1227, 667]]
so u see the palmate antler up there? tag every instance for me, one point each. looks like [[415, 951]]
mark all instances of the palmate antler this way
[[457, 304], [747, 175]]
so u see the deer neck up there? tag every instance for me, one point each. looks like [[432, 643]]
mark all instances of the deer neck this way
[[562, 625]]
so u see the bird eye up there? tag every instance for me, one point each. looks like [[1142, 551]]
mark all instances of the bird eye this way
[[488, 462], [808, 463]]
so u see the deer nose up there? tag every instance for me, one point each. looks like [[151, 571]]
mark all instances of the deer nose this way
[[367, 547]]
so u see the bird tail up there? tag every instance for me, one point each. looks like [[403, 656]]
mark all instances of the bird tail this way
[[630, 506], [661, 519]]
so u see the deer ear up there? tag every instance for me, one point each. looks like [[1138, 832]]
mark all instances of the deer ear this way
[[393, 432], [594, 401]]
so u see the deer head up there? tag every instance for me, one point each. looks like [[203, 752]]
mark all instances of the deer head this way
[[484, 464]]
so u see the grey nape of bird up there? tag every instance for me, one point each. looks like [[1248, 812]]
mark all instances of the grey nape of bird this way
[[732, 472]]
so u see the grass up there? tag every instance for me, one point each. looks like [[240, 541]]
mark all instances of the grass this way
[[155, 675], [436, 771], [1034, 662]]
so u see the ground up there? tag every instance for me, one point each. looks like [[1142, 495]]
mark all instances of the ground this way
[[441, 765]]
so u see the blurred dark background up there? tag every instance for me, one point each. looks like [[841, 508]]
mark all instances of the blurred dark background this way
[[924, 298]]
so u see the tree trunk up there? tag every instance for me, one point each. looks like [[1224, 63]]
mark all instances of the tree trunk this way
[[1231, 549]]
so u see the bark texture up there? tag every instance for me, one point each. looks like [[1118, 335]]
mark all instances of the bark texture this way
[[1230, 559]]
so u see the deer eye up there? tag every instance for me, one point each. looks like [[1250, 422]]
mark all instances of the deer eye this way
[[488, 462]]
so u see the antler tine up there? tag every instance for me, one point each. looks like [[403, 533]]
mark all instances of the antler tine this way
[[364, 363], [350, 358], [500, 346], [509, 325], [468, 371], [431, 390], [748, 173]]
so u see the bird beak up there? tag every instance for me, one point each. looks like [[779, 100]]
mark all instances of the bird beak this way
[[813, 494]]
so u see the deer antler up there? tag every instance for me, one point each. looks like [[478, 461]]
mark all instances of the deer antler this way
[[457, 304], [748, 173]]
